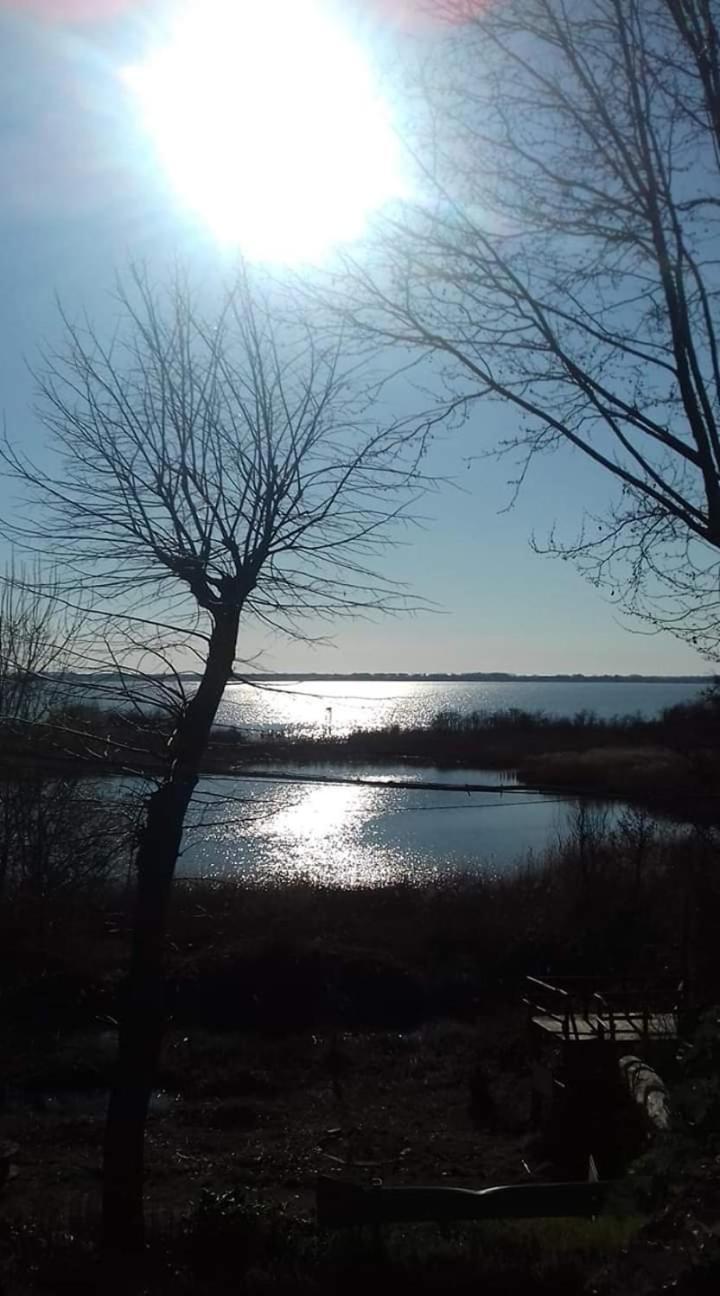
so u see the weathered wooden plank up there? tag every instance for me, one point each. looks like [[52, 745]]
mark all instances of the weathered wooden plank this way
[[545, 985], [625, 1029], [340, 1203]]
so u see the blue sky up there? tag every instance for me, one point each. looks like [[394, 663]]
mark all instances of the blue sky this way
[[82, 195]]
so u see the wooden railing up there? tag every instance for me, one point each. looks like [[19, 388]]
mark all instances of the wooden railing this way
[[600, 1014]]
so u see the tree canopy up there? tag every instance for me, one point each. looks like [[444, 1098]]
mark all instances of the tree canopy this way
[[561, 256]]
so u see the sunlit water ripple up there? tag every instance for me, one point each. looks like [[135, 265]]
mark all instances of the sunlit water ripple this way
[[302, 706], [350, 833]]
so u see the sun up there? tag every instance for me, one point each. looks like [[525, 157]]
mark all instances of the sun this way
[[269, 121]]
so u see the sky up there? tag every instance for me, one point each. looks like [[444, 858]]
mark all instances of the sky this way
[[84, 192]]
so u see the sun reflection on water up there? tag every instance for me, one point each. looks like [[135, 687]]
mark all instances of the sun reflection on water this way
[[320, 835], [323, 812], [345, 834]]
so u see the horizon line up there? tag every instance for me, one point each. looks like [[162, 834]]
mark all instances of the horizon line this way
[[500, 677]]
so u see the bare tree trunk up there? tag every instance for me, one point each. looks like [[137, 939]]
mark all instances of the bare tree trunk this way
[[224, 456], [142, 1013]]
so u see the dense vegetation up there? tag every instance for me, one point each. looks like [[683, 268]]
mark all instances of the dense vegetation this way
[[669, 761], [323, 1030], [115, 737], [352, 1032]]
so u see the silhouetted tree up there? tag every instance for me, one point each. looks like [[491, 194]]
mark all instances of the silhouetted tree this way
[[37, 644], [561, 257], [220, 466], [39, 641]]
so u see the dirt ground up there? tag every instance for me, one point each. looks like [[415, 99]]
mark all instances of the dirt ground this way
[[447, 1103]]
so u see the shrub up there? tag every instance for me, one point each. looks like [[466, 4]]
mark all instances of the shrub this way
[[57, 834]]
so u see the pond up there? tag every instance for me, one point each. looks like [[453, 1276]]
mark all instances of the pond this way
[[355, 831]]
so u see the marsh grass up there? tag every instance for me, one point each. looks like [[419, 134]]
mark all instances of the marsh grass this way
[[228, 1242], [631, 902], [298, 1008]]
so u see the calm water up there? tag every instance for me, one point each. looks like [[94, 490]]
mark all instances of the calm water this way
[[303, 706], [351, 833]]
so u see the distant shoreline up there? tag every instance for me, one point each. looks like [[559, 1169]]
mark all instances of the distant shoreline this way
[[398, 677], [472, 677]]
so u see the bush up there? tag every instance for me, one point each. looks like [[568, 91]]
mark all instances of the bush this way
[[231, 1233], [59, 834]]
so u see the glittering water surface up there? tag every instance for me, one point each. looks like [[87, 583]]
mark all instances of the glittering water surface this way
[[303, 705], [351, 834]]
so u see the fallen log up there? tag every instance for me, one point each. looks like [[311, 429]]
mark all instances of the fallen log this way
[[648, 1090], [340, 1203]]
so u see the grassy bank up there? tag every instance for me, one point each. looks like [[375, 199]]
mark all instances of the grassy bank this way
[[366, 1033], [228, 1244], [297, 956], [668, 763]]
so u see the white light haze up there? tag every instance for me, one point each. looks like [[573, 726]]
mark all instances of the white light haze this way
[[270, 124]]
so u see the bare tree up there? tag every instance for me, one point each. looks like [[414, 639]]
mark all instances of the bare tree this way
[[212, 467], [38, 643], [60, 834], [562, 257]]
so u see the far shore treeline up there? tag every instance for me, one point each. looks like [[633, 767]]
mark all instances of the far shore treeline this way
[[436, 677]]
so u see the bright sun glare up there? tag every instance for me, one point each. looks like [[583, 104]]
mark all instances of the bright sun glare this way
[[270, 124]]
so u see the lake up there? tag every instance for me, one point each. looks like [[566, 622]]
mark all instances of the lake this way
[[313, 706], [351, 832], [355, 832]]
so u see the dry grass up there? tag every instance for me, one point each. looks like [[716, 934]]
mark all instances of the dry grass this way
[[315, 1028]]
